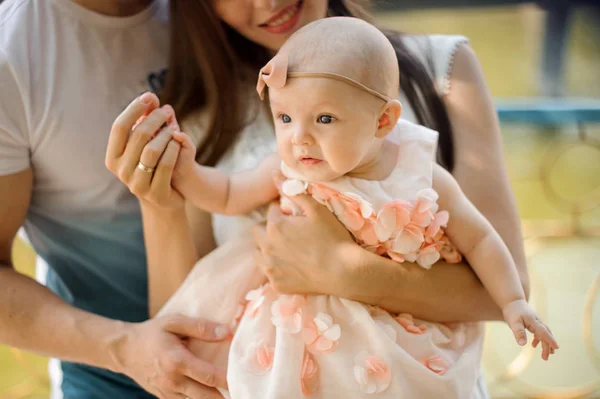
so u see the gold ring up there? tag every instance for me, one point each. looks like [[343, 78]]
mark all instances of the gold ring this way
[[145, 168]]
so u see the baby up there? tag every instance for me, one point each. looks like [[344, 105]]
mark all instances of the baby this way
[[331, 90]]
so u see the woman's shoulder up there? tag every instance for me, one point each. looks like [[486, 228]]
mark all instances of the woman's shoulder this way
[[437, 53]]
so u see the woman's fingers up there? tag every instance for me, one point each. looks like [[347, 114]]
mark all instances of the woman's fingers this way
[[142, 134], [141, 181], [121, 128]]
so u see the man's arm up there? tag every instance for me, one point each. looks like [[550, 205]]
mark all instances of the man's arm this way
[[29, 312]]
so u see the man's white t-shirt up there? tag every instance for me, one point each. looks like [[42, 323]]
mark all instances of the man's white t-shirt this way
[[65, 74]]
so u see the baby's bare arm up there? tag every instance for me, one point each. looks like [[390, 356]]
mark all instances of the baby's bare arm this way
[[477, 240], [213, 191]]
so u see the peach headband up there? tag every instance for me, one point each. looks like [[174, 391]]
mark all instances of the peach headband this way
[[275, 74]]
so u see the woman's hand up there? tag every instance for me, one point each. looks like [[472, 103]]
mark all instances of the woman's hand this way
[[155, 354], [303, 254], [142, 154]]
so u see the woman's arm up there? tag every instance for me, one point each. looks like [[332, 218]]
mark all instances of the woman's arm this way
[[329, 262], [174, 243]]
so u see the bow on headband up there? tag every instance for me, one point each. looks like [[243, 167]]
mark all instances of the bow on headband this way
[[275, 74]]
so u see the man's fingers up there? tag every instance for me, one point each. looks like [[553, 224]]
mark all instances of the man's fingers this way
[[119, 133], [192, 390], [195, 328], [203, 372]]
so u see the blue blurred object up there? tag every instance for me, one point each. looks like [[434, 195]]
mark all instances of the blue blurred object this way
[[549, 111]]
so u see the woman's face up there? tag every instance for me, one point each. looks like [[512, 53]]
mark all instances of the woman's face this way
[[269, 22]]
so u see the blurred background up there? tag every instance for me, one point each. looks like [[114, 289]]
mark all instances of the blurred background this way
[[542, 63]]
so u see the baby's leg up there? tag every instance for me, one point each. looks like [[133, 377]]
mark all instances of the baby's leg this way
[[215, 290]]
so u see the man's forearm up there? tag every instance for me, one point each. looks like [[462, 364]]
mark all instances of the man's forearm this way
[[445, 293], [32, 318]]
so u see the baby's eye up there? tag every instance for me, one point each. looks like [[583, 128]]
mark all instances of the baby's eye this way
[[325, 119], [285, 118]]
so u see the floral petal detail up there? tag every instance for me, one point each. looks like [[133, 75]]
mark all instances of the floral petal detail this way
[[259, 358], [438, 364], [323, 344], [334, 333], [293, 187], [428, 256], [323, 321], [372, 373], [366, 209], [386, 224], [309, 378], [407, 241]]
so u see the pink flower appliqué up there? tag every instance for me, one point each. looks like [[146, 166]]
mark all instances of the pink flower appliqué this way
[[427, 256], [286, 313], [392, 218], [321, 335], [439, 220], [309, 379], [259, 358], [424, 207], [372, 374], [407, 242], [255, 299], [438, 364], [408, 322]]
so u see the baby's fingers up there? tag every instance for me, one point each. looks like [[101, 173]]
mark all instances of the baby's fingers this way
[[545, 350], [184, 140], [542, 333], [518, 329]]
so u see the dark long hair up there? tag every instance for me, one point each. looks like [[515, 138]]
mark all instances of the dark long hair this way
[[211, 65]]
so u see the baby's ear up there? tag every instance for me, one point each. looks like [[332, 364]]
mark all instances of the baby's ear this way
[[388, 119]]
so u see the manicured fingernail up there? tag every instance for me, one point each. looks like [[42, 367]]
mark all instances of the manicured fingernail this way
[[522, 341], [146, 98], [221, 331]]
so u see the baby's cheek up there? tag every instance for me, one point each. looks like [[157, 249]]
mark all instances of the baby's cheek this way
[[344, 157]]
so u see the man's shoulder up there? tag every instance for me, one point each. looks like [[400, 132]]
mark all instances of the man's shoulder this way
[[19, 24], [14, 14]]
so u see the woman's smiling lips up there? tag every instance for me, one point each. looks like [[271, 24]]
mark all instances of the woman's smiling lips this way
[[285, 20]]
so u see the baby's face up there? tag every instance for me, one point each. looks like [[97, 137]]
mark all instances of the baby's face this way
[[324, 128]]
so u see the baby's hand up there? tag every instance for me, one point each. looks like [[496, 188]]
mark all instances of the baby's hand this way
[[186, 158], [520, 316]]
